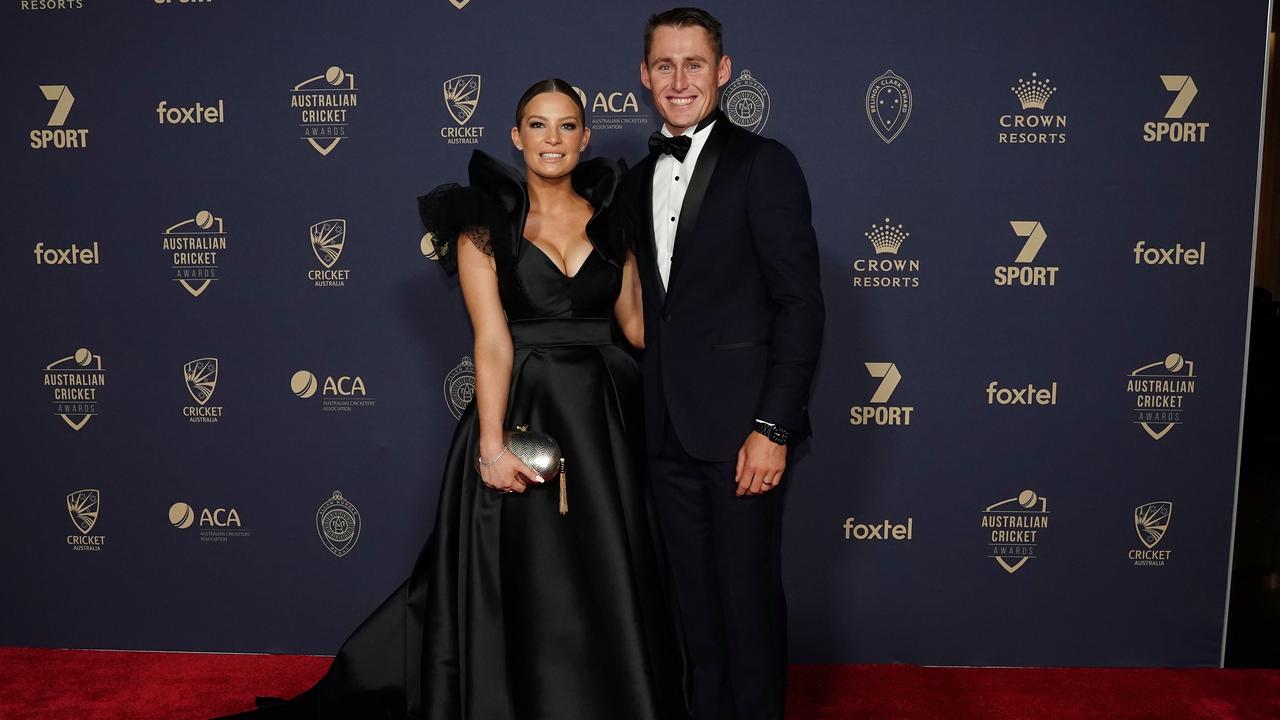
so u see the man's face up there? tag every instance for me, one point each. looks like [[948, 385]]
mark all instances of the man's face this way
[[682, 74]]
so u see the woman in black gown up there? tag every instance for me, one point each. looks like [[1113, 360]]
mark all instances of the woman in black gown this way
[[515, 611]]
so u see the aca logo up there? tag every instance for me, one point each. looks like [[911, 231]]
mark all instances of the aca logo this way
[[1181, 130], [612, 109], [461, 98], [82, 506], [328, 238], [1029, 395], [194, 246], [73, 255], [1151, 521], [745, 102], [1176, 255], [880, 412], [323, 103], [1024, 271], [1160, 391], [1013, 528], [201, 378], [59, 137], [75, 381], [879, 531], [338, 524], [341, 393], [891, 270], [460, 386], [427, 245], [216, 524], [1035, 127], [889, 104], [198, 114]]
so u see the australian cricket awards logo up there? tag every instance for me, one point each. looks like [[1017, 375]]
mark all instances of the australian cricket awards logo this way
[[461, 98], [55, 135], [216, 524], [338, 524], [1151, 521], [1013, 529], [460, 386], [323, 103], [746, 102], [1180, 130], [1024, 271], [194, 247], [201, 378], [328, 238], [612, 109], [338, 393], [1033, 125], [459, 3], [879, 411], [82, 506], [887, 269], [75, 381], [1160, 391], [889, 104]]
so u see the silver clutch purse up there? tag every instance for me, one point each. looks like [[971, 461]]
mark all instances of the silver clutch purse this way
[[541, 453]]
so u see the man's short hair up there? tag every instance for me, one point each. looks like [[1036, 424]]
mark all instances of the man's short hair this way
[[686, 17]]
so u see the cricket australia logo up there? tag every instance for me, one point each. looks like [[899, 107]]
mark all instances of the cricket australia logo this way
[[461, 95], [338, 524], [746, 102], [889, 104], [460, 386], [327, 240], [1152, 521], [82, 506], [201, 377]]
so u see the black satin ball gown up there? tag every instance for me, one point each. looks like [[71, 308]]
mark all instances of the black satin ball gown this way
[[515, 611]]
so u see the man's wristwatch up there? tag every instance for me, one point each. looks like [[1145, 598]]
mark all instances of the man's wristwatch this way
[[776, 433]]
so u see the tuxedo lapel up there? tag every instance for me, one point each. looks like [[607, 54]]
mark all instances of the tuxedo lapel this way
[[645, 203], [693, 197]]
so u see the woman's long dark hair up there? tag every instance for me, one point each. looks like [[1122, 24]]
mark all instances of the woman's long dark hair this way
[[550, 85]]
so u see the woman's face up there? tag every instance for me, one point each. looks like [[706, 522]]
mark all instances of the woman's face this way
[[551, 134]]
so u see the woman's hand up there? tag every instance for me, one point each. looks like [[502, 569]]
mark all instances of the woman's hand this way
[[507, 474]]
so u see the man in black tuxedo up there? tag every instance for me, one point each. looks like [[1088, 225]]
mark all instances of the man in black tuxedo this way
[[733, 323]]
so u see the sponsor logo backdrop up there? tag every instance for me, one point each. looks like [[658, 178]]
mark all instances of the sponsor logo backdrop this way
[[233, 368]]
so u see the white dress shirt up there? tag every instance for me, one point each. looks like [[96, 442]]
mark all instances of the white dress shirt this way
[[670, 181]]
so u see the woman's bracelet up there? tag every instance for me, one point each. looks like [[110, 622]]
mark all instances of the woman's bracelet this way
[[491, 463]]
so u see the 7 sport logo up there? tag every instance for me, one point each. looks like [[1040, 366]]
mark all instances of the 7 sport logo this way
[[879, 411], [1024, 271], [59, 137], [1182, 130]]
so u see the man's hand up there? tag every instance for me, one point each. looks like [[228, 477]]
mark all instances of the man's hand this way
[[760, 465]]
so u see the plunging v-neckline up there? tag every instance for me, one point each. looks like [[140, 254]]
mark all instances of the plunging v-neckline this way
[[556, 265]]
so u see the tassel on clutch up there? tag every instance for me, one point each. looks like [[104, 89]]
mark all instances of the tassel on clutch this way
[[541, 453]]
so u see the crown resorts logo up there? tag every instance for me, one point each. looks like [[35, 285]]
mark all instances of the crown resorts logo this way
[[1029, 395], [886, 272], [611, 109], [338, 524], [83, 506], [198, 114], [75, 381], [36, 5], [1176, 255], [1151, 521], [1036, 127], [201, 379], [216, 524], [886, 530], [74, 255], [746, 102], [1013, 528], [328, 238], [1181, 130], [323, 103], [460, 386], [461, 98], [1024, 271], [342, 393], [879, 412], [194, 246], [889, 104], [59, 137], [1160, 390]]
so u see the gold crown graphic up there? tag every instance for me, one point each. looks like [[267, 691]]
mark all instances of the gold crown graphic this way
[[886, 238], [1033, 93]]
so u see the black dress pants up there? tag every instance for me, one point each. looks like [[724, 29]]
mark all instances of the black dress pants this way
[[725, 556]]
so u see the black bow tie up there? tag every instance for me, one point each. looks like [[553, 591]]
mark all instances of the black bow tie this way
[[677, 147]]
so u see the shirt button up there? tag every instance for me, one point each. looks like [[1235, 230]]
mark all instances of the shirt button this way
[[677, 178], [673, 219]]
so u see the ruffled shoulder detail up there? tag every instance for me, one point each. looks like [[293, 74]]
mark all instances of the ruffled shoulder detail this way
[[484, 211], [609, 229]]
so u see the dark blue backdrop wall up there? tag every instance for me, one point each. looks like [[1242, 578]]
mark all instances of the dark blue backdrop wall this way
[[231, 373]]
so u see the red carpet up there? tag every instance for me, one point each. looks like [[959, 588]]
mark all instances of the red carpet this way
[[67, 684]]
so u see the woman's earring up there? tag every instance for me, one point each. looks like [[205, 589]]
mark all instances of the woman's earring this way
[[520, 148]]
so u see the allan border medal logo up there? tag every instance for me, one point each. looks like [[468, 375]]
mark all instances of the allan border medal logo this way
[[886, 272], [328, 238], [82, 506], [889, 104], [1033, 127], [461, 98], [193, 246], [460, 386], [201, 379], [1151, 521], [338, 524], [323, 103], [1014, 527], [75, 380], [1159, 391], [746, 102]]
